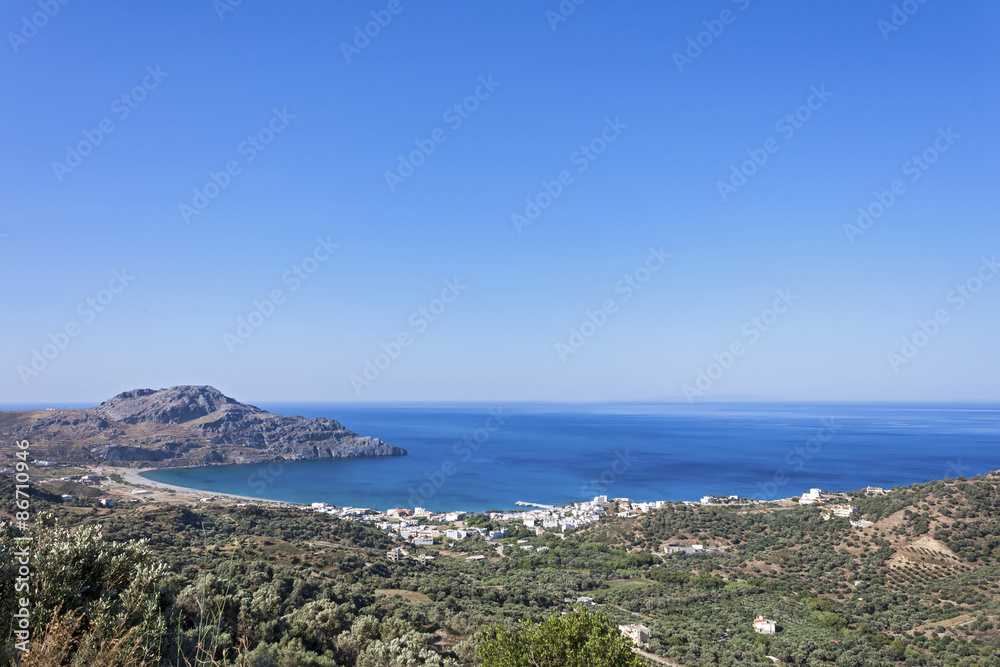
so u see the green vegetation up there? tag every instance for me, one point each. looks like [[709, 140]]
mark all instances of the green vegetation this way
[[577, 639], [158, 584]]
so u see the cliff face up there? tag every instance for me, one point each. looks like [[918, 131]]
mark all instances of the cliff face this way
[[185, 425]]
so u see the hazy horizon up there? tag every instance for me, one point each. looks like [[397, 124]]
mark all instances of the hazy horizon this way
[[715, 401]]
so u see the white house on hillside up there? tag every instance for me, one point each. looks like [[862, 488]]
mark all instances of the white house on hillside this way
[[639, 634], [764, 626], [810, 497]]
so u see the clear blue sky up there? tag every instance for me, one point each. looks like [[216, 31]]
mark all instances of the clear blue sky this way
[[678, 127]]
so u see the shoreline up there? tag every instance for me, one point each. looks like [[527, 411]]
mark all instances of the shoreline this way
[[133, 477]]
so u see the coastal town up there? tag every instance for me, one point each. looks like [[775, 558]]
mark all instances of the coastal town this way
[[423, 527], [423, 534]]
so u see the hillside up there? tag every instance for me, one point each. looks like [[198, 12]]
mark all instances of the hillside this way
[[185, 425], [918, 587]]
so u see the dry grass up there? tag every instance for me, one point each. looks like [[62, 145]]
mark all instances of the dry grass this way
[[61, 645], [409, 596]]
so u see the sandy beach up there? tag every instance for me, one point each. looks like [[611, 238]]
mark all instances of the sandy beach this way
[[133, 479]]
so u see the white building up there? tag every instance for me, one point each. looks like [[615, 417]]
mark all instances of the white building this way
[[764, 626], [845, 510], [707, 500], [811, 497], [639, 634]]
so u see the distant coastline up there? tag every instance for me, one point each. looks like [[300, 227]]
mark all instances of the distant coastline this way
[[559, 454]]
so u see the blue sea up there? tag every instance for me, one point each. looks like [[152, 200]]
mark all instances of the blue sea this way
[[479, 457]]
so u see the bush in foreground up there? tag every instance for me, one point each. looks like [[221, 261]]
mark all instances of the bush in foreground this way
[[575, 639]]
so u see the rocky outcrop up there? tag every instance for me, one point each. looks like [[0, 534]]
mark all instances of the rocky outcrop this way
[[176, 405], [122, 453], [185, 425]]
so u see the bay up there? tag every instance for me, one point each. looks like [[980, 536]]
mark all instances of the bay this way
[[462, 457]]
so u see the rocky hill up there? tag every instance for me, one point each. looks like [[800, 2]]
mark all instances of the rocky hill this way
[[185, 425]]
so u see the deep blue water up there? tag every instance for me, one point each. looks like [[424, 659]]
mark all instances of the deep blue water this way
[[556, 454]]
